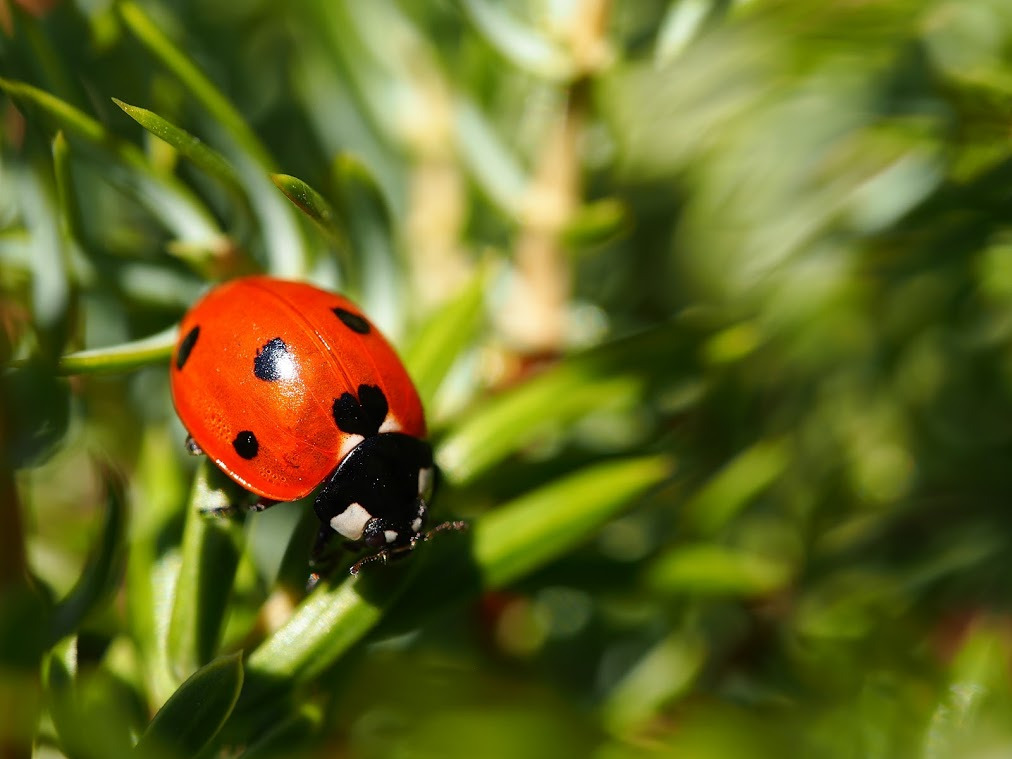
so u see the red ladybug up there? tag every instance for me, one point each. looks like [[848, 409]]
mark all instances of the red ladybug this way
[[286, 386]]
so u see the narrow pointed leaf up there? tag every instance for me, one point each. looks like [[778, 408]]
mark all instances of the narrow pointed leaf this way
[[194, 714], [444, 337], [615, 373], [124, 357], [210, 557], [522, 45], [532, 530], [311, 203], [207, 159], [100, 576], [163, 195], [284, 242]]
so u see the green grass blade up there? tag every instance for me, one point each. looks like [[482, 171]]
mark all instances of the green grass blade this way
[[707, 569], [444, 337], [366, 218], [331, 620], [124, 357], [530, 531], [164, 196], [286, 248], [70, 212], [194, 714], [495, 169], [311, 203], [523, 46], [101, 572], [193, 148], [612, 374], [210, 556], [734, 486], [278, 740]]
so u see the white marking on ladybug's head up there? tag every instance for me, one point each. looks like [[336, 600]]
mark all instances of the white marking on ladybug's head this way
[[416, 526], [351, 522], [348, 445], [390, 535], [424, 481], [390, 424]]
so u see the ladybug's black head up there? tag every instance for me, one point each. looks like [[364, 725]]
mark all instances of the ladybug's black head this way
[[380, 493]]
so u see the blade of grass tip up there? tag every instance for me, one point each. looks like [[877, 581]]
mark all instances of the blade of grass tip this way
[[284, 242], [312, 204], [522, 45], [363, 209], [211, 549], [208, 160], [735, 485], [70, 211], [194, 714], [100, 576], [49, 283], [444, 337], [124, 357], [165, 197]]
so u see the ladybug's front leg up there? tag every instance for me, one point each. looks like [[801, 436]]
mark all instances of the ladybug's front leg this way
[[192, 448], [321, 560]]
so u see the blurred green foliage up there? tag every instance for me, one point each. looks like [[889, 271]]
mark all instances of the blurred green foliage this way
[[710, 303]]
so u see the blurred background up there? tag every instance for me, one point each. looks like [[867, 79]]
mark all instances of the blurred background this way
[[710, 302]]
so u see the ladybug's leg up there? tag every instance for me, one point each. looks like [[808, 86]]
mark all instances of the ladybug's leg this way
[[262, 504], [192, 448], [321, 560], [448, 526]]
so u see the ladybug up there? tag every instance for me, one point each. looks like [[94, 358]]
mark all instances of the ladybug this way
[[288, 387]]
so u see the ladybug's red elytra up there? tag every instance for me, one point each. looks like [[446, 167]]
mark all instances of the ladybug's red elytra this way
[[287, 387]]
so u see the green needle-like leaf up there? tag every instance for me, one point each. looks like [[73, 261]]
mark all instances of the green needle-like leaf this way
[[311, 203], [124, 357], [101, 572], [196, 150], [194, 714], [284, 243], [210, 558], [523, 46], [166, 198], [615, 373], [517, 538], [444, 337]]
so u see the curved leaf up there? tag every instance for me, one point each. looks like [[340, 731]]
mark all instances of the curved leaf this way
[[609, 374], [311, 203], [210, 557], [209, 160], [124, 357], [194, 714], [100, 576], [164, 196], [284, 243]]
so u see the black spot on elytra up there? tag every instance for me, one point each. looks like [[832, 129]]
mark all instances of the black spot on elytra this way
[[246, 444], [362, 415], [272, 361], [354, 322], [186, 345]]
